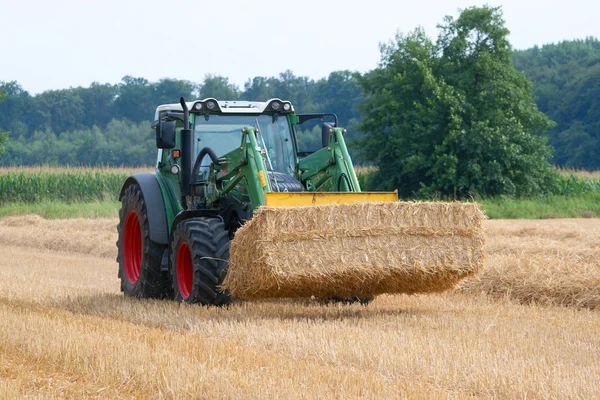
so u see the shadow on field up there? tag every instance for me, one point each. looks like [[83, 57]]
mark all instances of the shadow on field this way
[[172, 315]]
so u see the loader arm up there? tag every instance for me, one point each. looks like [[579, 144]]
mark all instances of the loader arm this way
[[324, 173], [242, 163], [330, 168]]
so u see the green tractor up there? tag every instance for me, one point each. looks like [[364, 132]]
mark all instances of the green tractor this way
[[218, 161], [231, 172]]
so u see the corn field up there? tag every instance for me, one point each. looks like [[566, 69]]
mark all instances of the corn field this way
[[74, 185], [576, 184], [81, 184]]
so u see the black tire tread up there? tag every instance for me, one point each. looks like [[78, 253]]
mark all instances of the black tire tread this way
[[208, 241], [152, 282]]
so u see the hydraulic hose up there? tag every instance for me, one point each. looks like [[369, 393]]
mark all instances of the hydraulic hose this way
[[345, 177], [203, 153]]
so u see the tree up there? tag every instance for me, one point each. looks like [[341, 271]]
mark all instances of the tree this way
[[565, 78], [170, 90], [258, 88], [58, 110], [219, 88], [340, 93], [15, 109], [454, 117], [98, 103], [3, 135], [135, 101]]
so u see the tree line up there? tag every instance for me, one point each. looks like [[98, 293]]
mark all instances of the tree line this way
[[106, 124], [566, 84]]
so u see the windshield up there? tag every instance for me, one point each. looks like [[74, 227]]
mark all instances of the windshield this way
[[223, 133]]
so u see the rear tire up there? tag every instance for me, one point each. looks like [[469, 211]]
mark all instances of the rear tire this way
[[199, 258], [139, 257]]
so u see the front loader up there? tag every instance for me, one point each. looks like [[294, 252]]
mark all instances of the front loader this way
[[235, 208]]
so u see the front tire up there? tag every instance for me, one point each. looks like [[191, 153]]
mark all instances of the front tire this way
[[139, 257], [199, 258]]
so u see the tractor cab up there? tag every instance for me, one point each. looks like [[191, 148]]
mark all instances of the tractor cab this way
[[218, 126]]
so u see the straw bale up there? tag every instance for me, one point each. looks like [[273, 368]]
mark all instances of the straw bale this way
[[359, 249]]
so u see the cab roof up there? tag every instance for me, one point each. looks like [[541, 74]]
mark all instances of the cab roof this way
[[227, 106]]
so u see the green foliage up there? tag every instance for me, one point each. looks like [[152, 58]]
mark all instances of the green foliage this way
[[219, 88], [120, 143], [108, 124], [573, 185], [68, 186], [454, 118], [366, 178], [566, 82], [309, 140], [3, 139], [3, 135]]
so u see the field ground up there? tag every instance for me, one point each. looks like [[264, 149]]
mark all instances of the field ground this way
[[528, 327]]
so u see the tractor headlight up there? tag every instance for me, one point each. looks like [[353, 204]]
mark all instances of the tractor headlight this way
[[198, 106], [279, 106], [174, 169], [275, 105], [211, 105]]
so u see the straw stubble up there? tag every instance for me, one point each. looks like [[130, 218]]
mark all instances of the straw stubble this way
[[360, 249]]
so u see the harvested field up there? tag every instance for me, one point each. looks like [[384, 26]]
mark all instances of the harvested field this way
[[67, 332], [552, 262]]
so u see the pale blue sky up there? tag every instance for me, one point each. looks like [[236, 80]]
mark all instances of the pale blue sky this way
[[62, 43]]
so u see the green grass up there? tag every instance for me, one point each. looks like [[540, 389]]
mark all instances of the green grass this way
[[60, 210], [585, 205]]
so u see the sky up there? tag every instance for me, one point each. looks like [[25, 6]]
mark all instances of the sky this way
[[68, 43]]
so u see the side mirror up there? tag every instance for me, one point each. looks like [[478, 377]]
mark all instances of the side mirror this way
[[325, 128], [165, 134]]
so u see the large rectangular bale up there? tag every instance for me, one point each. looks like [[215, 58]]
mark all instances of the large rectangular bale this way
[[360, 249]]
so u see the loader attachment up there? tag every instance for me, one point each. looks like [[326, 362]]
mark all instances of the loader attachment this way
[[299, 199], [354, 244]]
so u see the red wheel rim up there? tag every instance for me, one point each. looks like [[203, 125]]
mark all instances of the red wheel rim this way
[[185, 274], [132, 247]]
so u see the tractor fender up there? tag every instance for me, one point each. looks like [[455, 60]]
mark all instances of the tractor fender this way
[[155, 205]]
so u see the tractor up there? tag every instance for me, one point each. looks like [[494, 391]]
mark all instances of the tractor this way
[[220, 164], [217, 162]]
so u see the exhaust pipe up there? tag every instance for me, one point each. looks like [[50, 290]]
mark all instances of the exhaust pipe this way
[[187, 148]]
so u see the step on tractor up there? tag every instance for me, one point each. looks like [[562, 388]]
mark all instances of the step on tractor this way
[[230, 178]]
